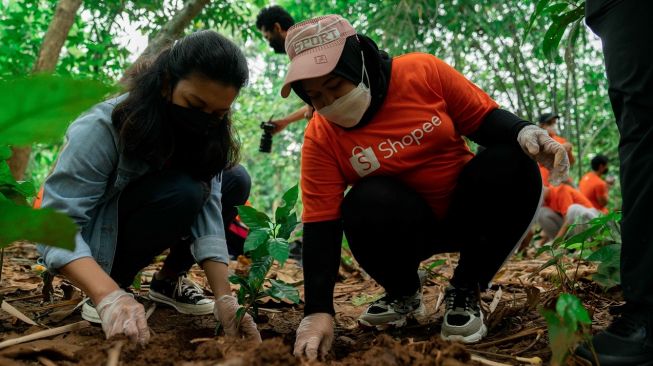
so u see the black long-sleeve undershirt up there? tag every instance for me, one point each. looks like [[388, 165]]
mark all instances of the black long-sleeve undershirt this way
[[322, 240]]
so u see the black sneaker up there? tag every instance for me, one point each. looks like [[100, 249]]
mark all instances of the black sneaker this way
[[628, 341], [182, 294], [463, 318]]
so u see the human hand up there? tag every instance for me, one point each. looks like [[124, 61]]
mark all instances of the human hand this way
[[308, 114], [537, 144], [315, 332], [225, 311], [122, 314], [610, 180], [279, 125]]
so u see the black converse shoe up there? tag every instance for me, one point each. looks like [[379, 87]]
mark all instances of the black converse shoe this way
[[463, 318], [393, 312], [182, 294]]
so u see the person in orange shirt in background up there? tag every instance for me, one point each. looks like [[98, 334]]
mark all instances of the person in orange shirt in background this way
[[564, 205], [593, 186], [392, 129], [549, 122]]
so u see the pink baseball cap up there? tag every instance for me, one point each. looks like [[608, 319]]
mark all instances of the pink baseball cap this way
[[314, 47]]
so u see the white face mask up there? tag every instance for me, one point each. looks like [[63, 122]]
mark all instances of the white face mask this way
[[348, 110]]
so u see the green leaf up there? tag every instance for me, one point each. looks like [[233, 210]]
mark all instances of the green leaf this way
[[437, 263], [542, 249], [278, 248], [258, 270], [26, 189], [287, 227], [253, 218], [561, 338], [606, 253], [137, 282], [549, 263], [555, 9], [283, 291], [255, 238], [39, 108], [571, 309], [240, 313], [584, 235], [5, 152], [557, 29], [289, 200], [539, 9], [43, 226]]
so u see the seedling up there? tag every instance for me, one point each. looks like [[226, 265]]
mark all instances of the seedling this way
[[567, 326], [266, 242], [600, 242]]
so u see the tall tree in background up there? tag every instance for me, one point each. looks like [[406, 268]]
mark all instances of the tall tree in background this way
[[54, 39], [172, 30]]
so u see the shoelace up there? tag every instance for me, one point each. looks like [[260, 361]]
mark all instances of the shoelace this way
[[400, 305], [462, 299], [187, 288]]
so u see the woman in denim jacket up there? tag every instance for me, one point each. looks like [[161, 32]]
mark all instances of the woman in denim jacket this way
[[152, 170]]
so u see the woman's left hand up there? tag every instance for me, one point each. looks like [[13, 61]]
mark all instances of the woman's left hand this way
[[537, 143], [225, 311]]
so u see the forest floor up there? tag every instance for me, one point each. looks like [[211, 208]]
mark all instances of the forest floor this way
[[511, 306]]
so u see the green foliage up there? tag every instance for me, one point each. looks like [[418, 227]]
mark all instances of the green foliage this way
[[37, 109], [566, 326], [266, 242], [599, 242], [42, 226]]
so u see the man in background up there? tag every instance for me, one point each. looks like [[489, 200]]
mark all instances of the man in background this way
[[593, 186], [273, 22]]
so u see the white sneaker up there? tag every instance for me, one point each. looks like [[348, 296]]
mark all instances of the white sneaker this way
[[463, 318]]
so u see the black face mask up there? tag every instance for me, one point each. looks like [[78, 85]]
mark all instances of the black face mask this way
[[277, 44], [191, 122], [197, 142]]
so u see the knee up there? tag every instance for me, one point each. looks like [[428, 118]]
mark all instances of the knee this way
[[368, 198], [187, 195], [236, 183]]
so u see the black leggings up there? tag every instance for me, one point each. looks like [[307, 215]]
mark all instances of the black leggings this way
[[391, 228], [156, 212]]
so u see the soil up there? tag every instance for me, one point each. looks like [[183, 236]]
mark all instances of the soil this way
[[514, 324]]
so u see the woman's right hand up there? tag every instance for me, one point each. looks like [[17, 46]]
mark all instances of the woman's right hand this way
[[122, 314], [314, 334]]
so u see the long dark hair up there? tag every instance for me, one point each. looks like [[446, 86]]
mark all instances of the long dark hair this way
[[142, 119]]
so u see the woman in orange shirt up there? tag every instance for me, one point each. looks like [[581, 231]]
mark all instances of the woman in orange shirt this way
[[392, 130]]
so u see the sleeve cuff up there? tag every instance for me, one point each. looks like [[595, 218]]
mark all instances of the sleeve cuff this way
[[211, 247]]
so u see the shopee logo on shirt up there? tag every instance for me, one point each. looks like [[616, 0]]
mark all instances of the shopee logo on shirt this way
[[390, 147], [364, 160]]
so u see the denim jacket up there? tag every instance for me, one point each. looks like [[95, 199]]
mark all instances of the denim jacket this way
[[86, 184]]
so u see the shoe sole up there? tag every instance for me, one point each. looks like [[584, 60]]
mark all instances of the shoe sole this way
[[472, 338], [204, 309], [418, 315]]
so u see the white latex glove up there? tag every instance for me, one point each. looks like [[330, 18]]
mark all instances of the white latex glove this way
[[122, 314], [314, 333], [225, 311], [537, 143]]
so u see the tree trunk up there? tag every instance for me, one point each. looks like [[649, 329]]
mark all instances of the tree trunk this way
[[63, 19], [171, 30]]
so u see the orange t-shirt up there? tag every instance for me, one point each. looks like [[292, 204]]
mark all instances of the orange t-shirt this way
[[561, 140], [416, 137], [544, 172], [593, 187], [561, 197]]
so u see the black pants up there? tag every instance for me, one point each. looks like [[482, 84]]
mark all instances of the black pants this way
[[390, 228], [627, 35], [156, 212]]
